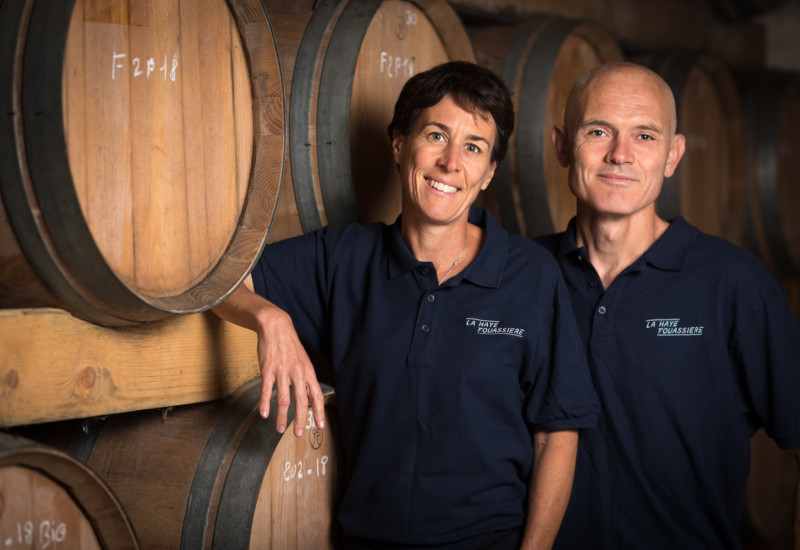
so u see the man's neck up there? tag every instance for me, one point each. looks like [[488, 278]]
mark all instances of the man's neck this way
[[613, 243]]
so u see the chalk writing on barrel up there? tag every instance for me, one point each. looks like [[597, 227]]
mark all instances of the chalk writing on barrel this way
[[298, 470], [25, 535], [143, 68], [396, 67]]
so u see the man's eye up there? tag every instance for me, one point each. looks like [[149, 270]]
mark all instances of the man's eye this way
[[646, 137]]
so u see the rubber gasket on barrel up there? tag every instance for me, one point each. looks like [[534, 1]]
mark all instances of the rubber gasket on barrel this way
[[237, 503], [766, 127], [512, 68], [81, 443], [300, 122], [333, 111], [675, 71], [207, 471], [536, 78]]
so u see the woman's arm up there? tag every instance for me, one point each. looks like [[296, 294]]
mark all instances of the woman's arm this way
[[282, 358]]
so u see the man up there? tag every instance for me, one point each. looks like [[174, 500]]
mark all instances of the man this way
[[691, 344], [458, 405]]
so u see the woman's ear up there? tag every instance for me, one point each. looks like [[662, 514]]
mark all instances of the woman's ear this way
[[397, 145]]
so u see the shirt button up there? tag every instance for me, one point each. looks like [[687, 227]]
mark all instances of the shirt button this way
[[592, 284], [431, 298], [426, 328], [425, 271], [601, 310]]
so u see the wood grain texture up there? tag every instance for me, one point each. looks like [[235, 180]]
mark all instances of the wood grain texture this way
[[143, 152], [215, 475], [48, 499], [54, 366]]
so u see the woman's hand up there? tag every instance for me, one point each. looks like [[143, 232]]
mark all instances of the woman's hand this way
[[283, 360]]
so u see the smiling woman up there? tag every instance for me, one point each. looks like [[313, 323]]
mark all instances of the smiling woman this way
[[444, 163]]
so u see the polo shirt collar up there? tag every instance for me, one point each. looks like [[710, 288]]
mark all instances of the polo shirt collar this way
[[667, 253], [485, 270]]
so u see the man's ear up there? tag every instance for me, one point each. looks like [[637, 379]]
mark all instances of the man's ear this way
[[676, 149], [560, 143]]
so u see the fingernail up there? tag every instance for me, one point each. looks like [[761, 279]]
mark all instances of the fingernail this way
[[263, 413], [281, 428], [321, 424]]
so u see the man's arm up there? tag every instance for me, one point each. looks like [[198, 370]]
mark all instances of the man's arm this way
[[282, 358], [550, 486]]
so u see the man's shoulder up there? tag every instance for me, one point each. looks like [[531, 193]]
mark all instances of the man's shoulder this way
[[550, 242], [718, 253]]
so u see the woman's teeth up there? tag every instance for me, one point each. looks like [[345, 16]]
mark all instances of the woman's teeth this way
[[441, 186]]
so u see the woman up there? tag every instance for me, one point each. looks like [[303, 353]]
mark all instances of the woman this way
[[460, 382]]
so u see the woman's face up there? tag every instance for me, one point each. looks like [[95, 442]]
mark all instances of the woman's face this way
[[444, 162]]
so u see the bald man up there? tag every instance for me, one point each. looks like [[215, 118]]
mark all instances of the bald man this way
[[691, 343]]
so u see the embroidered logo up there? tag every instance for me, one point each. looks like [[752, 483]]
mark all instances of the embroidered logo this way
[[672, 327], [487, 327]]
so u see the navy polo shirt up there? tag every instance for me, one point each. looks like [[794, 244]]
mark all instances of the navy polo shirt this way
[[691, 349], [439, 388]]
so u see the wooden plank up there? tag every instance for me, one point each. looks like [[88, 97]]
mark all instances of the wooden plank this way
[[54, 366]]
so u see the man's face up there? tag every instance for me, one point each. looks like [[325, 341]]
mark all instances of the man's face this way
[[620, 145], [444, 162]]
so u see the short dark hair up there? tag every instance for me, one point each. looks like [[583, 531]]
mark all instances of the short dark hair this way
[[475, 89]]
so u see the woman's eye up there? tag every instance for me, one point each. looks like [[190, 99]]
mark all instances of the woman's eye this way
[[436, 136], [472, 148], [597, 133]]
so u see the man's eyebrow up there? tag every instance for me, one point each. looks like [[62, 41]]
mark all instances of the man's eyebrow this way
[[652, 128], [446, 128]]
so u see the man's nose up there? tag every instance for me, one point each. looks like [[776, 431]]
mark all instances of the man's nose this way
[[620, 152]]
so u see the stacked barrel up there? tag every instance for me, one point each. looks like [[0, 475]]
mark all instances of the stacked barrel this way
[[146, 147]]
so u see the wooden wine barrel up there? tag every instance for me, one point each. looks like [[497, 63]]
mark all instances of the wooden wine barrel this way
[[769, 496], [771, 113], [216, 475], [731, 11], [142, 158], [352, 61], [48, 499], [708, 188], [791, 285], [540, 60]]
